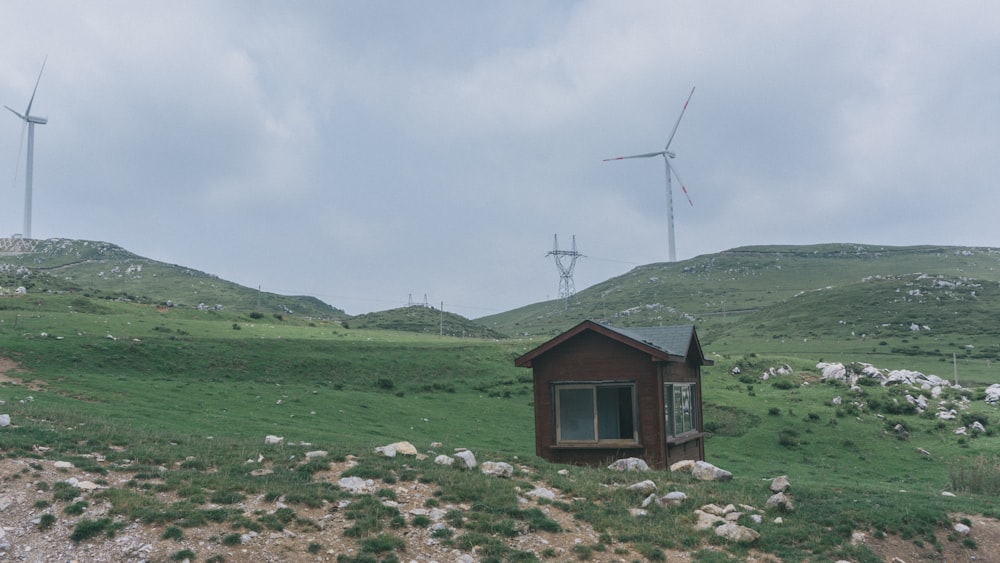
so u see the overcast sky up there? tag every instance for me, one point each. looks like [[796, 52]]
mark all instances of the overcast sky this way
[[363, 152]]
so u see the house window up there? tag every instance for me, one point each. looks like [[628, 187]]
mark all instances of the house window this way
[[595, 413], [681, 405]]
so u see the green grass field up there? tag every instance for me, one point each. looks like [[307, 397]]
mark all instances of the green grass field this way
[[199, 390], [177, 386]]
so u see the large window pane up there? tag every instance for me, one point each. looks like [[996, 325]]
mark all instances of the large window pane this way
[[576, 414], [614, 413], [595, 412]]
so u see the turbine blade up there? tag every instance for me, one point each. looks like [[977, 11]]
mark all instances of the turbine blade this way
[[674, 132], [14, 111], [646, 155], [681, 182], [33, 92]]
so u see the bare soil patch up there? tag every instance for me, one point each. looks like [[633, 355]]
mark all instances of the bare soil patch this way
[[985, 532]]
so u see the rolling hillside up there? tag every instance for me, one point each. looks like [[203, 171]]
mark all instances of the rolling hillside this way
[[719, 290], [106, 270]]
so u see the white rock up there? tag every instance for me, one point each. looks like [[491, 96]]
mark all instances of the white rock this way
[[714, 510], [644, 487], [403, 448], [444, 460], [541, 492], [497, 469], [779, 501], [356, 485], [273, 440], [962, 529], [780, 484], [683, 466], [62, 465], [4, 420], [673, 498], [316, 453], [706, 521], [467, 457], [704, 471], [629, 464], [734, 532]]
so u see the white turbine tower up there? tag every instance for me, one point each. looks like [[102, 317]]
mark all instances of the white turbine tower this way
[[29, 122], [670, 170]]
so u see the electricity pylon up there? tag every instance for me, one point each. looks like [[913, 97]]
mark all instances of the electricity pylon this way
[[566, 286]]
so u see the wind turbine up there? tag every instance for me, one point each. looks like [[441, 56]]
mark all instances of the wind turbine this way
[[671, 171], [29, 122]]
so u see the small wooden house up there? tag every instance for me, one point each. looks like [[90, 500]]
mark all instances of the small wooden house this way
[[604, 393]]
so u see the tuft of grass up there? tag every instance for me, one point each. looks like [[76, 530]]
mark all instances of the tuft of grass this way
[[383, 543], [86, 529], [172, 533], [232, 539], [77, 508], [46, 521], [182, 555], [979, 475]]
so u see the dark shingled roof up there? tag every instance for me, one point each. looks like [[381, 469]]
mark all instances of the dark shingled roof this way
[[673, 340], [665, 343]]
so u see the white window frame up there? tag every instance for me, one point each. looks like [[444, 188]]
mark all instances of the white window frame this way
[[680, 401]]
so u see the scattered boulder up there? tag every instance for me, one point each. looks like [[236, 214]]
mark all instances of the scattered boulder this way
[[4, 420], [444, 460], [683, 466], [273, 440], [673, 498], [629, 464], [779, 501], [649, 500], [497, 469], [780, 484], [714, 510], [467, 457], [993, 394], [734, 532], [404, 448], [541, 492], [355, 485], [704, 471], [62, 465], [644, 487], [316, 453], [962, 529], [707, 521]]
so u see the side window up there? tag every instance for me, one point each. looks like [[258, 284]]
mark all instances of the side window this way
[[681, 405], [595, 413]]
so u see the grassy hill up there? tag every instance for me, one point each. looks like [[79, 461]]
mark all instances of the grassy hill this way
[[177, 401], [425, 320], [108, 271], [720, 289]]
